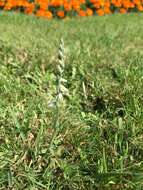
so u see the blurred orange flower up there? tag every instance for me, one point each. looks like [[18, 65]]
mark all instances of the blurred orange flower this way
[[100, 12], [61, 14]]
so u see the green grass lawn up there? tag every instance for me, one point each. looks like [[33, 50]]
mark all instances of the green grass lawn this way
[[99, 142]]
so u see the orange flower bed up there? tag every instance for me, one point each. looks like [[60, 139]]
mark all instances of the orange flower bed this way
[[64, 8]]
